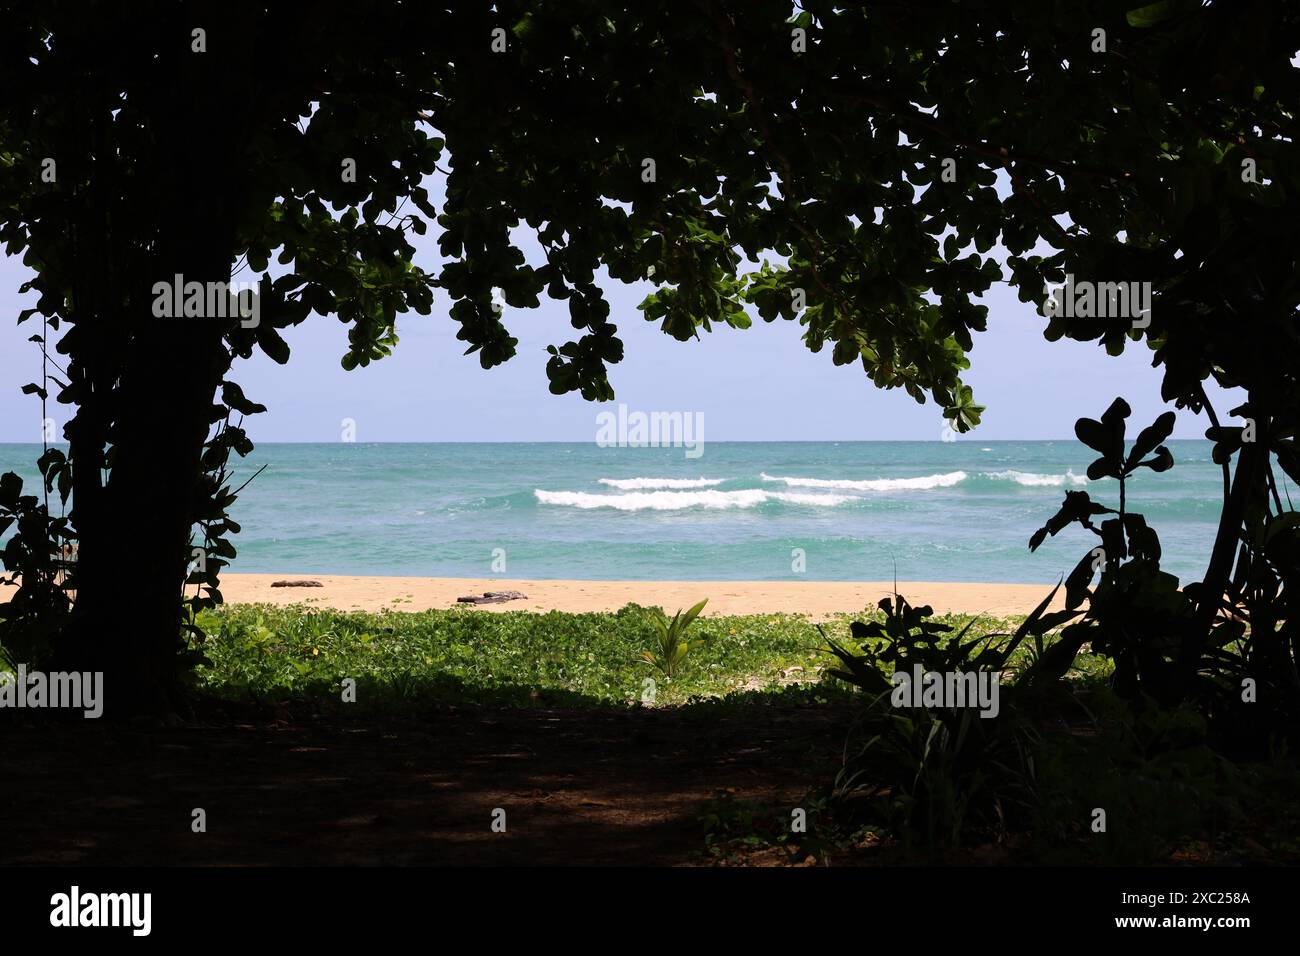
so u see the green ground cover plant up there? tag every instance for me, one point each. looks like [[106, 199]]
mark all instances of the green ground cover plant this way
[[262, 652]]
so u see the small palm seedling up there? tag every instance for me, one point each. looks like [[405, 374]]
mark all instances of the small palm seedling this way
[[670, 649]]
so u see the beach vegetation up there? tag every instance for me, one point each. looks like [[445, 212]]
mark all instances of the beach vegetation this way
[[1167, 720], [1230, 658], [928, 772], [671, 646], [261, 653]]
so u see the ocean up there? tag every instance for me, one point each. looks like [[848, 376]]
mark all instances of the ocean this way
[[821, 511]]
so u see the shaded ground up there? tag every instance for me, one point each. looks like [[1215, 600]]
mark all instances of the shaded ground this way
[[577, 786]]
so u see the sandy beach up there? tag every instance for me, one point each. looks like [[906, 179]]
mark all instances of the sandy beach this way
[[817, 599]]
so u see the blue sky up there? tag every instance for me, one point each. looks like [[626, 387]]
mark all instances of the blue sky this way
[[751, 385]]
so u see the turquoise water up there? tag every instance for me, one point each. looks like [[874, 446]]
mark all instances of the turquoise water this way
[[956, 511]]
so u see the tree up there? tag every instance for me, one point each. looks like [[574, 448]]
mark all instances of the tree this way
[[835, 166]]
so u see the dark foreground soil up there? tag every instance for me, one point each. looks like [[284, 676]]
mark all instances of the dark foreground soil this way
[[577, 786]]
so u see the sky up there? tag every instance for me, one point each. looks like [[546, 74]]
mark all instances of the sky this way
[[757, 384]]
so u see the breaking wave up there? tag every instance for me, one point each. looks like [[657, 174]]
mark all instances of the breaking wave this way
[[674, 494], [946, 480], [642, 484], [676, 500], [1031, 480]]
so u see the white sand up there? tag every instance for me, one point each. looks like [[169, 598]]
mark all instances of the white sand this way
[[817, 599]]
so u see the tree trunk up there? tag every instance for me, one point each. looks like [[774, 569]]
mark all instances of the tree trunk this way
[[129, 602], [1246, 481], [134, 531]]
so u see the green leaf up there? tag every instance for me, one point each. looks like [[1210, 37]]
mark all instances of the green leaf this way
[[1151, 14]]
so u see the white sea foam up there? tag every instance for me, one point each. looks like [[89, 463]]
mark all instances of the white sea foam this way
[[924, 482], [946, 480], [677, 500], [1031, 480], [642, 484]]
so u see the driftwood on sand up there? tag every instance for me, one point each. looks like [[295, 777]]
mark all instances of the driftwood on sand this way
[[492, 597]]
